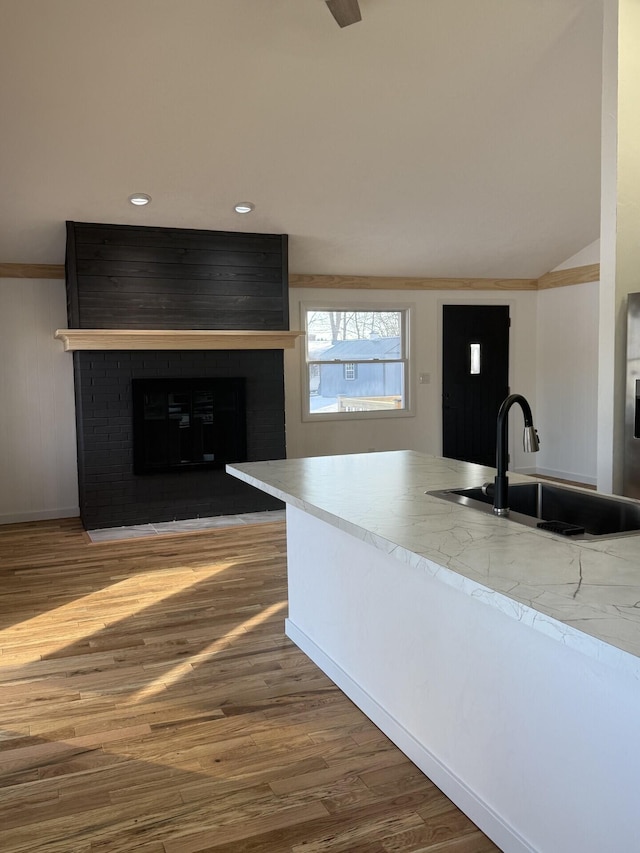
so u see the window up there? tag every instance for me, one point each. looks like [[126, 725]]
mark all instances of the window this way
[[474, 359], [350, 370], [356, 363]]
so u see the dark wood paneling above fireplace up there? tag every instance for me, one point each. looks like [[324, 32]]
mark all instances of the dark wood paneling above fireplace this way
[[130, 277]]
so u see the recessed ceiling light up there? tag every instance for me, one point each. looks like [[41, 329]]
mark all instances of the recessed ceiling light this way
[[244, 207], [139, 199]]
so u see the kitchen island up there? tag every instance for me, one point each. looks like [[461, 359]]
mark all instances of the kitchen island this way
[[503, 660]]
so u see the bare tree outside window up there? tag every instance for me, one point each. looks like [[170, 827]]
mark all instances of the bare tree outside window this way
[[353, 325], [356, 362]]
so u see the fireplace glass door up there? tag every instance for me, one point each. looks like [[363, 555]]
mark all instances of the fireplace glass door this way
[[180, 424]]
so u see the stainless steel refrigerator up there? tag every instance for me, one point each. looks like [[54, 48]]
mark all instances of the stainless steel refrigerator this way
[[631, 478]]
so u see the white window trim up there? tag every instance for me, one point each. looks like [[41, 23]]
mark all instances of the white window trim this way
[[365, 306]]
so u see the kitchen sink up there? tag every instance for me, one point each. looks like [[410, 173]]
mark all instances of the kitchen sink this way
[[561, 509]]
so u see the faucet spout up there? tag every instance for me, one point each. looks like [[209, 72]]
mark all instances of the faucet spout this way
[[531, 444]]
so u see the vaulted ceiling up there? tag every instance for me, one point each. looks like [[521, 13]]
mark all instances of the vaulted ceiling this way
[[433, 138]]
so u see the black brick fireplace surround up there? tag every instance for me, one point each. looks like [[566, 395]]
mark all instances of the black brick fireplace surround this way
[[111, 494], [123, 277]]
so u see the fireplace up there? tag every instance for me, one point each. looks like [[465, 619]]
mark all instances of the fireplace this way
[[183, 424], [112, 493], [177, 338]]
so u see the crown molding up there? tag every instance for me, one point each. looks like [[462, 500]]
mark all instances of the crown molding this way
[[573, 275], [31, 271], [362, 282], [559, 278]]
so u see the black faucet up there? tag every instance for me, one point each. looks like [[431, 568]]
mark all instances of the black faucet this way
[[531, 443]]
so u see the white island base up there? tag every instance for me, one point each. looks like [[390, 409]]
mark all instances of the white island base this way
[[537, 744], [535, 740]]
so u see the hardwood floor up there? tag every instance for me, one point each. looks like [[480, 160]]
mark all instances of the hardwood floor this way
[[150, 703]]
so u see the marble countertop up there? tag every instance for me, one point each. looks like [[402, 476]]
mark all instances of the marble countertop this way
[[585, 594]]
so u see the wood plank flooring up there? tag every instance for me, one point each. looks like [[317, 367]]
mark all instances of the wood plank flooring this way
[[150, 703]]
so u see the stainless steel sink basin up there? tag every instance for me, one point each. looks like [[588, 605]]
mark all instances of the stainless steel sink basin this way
[[595, 515]]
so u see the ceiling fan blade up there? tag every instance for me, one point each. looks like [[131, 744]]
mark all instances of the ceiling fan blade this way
[[345, 11]]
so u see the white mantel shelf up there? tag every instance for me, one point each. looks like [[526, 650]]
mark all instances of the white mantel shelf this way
[[174, 339]]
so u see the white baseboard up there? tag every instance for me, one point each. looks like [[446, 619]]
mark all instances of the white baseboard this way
[[568, 475], [458, 792], [40, 515], [559, 475]]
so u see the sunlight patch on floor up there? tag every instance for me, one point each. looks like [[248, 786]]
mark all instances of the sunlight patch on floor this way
[[75, 621], [187, 666]]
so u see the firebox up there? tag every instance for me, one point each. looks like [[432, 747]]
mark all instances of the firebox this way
[[182, 424]]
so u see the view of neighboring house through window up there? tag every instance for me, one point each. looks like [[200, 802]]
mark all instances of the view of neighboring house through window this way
[[356, 362]]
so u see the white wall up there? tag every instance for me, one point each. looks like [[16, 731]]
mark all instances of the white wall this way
[[38, 477], [424, 431], [553, 329], [567, 382]]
